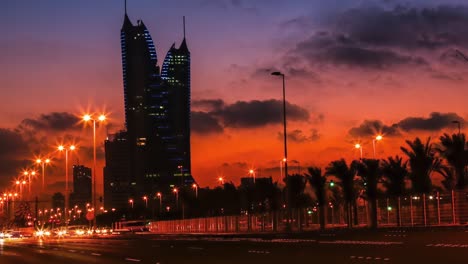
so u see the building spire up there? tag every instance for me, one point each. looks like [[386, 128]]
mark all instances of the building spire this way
[[183, 24], [125, 5]]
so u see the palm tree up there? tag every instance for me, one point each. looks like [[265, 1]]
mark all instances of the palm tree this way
[[369, 170], [345, 173], [395, 172], [318, 183], [422, 162], [455, 151]]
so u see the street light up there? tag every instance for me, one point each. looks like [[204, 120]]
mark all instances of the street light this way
[[159, 195], [145, 198], [66, 149], [252, 174], [29, 174], [377, 138], [176, 192], [195, 186], [359, 146], [131, 202], [285, 149], [181, 168], [42, 162], [221, 180], [101, 118], [20, 183]]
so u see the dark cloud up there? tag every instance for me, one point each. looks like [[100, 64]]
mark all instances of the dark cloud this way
[[55, 121], [436, 121], [338, 50], [370, 128], [298, 136], [13, 151], [384, 38], [407, 28], [260, 113], [208, 104], [205, 123], [244, 114]]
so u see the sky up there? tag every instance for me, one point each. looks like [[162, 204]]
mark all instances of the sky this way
[[353, 69]]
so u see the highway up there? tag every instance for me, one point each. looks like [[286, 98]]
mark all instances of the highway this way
[[339, 246]]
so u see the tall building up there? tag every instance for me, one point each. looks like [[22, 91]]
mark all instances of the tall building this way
[[157, 115], [81, 186], [176, 74], [118, 181]]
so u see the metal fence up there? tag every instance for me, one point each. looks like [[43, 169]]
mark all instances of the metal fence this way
[[417, 210]]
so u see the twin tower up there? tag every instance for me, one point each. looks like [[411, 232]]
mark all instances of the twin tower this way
[[153, 154]]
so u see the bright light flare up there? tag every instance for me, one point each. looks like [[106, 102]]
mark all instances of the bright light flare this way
[[358, 146], [379, 137], [86, 117]]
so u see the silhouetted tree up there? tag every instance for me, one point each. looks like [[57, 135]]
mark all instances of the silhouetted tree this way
[[422, 162], [455, 151], [345, 173], [395, 172], [369, 170], [318, 182]]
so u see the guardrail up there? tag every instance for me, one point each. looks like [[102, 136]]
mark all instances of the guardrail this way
[[416, 210]]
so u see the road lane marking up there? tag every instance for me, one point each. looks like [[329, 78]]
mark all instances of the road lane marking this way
[[132, 259], [360, 242], [195, 248], [72, 250], [95, 254]]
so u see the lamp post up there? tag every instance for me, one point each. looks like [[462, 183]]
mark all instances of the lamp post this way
[[145, 198], [252, 174], [377, 138], [130, 201], [221, 180], [181, 168], [176, 192], [195, 186], [43, 162], [359, 146], [101, 118], [29, 174], [159, 195], [66, 149], [20, 183], [285, 159]]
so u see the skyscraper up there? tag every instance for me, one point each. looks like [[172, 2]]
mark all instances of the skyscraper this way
[[157, 112], [81, 186], [176, 74]]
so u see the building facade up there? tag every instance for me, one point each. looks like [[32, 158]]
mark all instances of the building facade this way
[[156, 143], [81, 186]]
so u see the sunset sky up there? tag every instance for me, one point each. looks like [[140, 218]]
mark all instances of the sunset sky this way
[[353, 69]]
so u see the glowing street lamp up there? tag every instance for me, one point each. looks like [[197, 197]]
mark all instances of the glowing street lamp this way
[[101, 118], [176, 192], [377, 138], [130, 201], [159, 195], [29, 174], [221, 180], [359, 146], [195, 186], [66, 149], [145, 198], [43, 162], [252, 174]]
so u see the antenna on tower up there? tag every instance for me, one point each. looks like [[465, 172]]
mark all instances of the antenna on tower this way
[[125, 4], [183, 23]]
